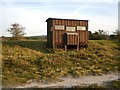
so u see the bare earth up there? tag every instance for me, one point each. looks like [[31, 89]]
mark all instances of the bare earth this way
[[70, 82]]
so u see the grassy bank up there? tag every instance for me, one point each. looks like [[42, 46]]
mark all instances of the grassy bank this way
[[25, 60]]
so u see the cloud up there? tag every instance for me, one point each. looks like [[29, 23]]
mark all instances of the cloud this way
[[33, 20], [105, 22], [33, 15]]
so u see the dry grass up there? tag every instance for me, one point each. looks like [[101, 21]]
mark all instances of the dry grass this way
[[24, 60]]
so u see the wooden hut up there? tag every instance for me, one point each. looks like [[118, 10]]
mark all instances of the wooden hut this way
[[67, 32]]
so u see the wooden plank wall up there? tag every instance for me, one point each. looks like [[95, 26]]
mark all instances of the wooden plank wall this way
[[72, 39], [57, 37]]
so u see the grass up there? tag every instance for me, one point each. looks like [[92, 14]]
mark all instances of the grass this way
[[25, 60]]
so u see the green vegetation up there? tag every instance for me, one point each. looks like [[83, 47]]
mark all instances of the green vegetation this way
[[25, 60], [104, 35], [17, 31]]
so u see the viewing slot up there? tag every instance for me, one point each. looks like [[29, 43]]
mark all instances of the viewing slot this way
[[59, 27], [81, 28], [70, 29]]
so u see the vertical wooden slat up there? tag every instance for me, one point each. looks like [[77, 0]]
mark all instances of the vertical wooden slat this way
[[59, 22], [72, 39], [73, 23], [65, 23], [56, 22], [53, 39], [54, 36], [75, 40], [62, 22], [85, 23], [70, 23], [78, 43], [57, 35], [60, 37], [83, 36], [77, 23], [80, 23], [79, 35], [68, 39], [87, 38]]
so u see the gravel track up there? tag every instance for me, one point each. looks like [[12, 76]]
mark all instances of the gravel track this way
[[70, 81]]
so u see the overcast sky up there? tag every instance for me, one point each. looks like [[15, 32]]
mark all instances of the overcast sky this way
[[32, 14]]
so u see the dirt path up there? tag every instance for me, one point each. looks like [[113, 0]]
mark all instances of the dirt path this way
[[69, 81]]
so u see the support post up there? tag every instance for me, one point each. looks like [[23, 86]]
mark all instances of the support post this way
[[65, 47], [77, 46]]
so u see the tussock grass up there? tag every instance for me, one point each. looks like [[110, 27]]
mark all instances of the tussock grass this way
[[25, 60]]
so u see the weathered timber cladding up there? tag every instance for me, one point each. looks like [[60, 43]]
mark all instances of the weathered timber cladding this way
[[62, 32], [72, 39]]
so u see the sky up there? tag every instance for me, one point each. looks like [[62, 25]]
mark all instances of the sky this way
[[32, 14]]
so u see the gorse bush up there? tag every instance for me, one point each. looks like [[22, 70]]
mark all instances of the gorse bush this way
[[25, 60]]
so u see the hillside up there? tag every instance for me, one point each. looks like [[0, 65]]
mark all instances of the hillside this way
[[25, 60]]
